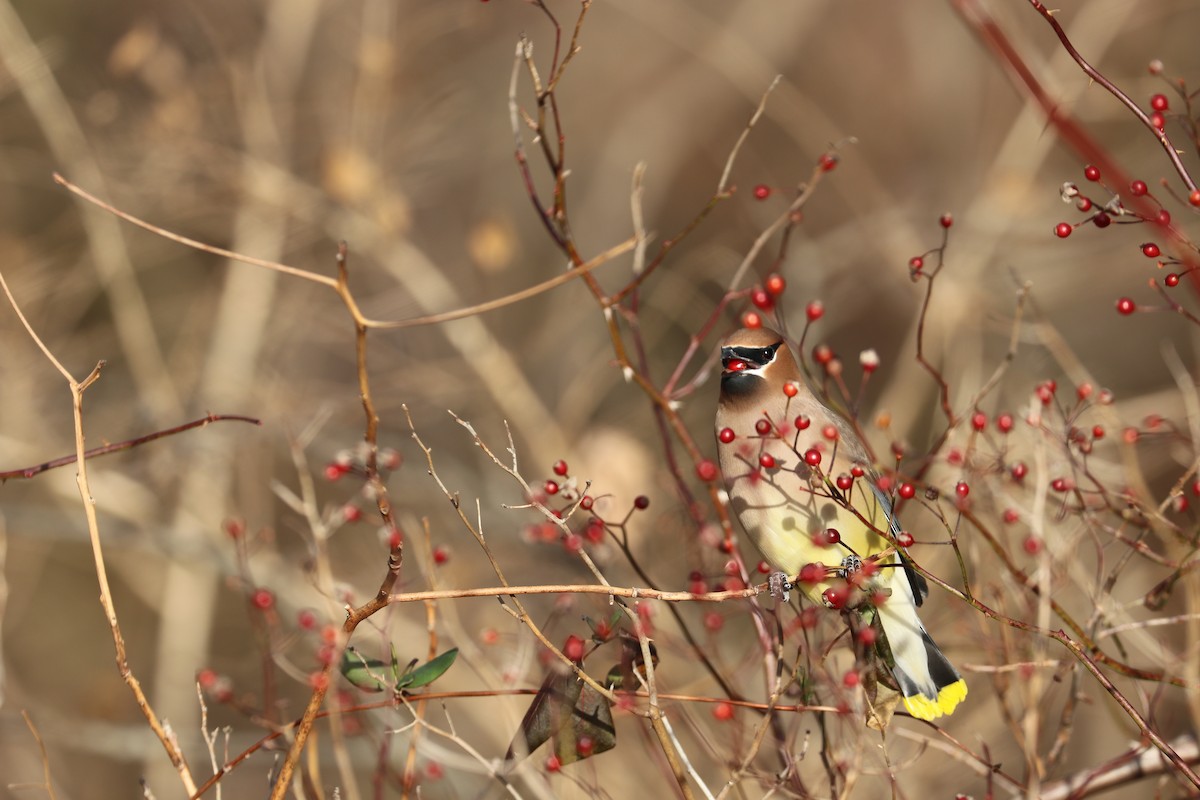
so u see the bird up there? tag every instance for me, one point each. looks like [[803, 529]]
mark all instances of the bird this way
[[800, 481]]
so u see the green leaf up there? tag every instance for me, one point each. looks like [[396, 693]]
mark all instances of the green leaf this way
[[427, 673], [368, 674], [373, 675]]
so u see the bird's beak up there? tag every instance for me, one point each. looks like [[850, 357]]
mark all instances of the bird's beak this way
[[730, 362]]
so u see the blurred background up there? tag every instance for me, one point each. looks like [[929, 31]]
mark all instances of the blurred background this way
[[276, 129]]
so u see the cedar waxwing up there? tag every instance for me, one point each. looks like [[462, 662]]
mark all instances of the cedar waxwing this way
[[801, 484]]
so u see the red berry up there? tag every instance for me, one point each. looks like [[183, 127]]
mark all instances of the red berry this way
[[1092, 173], [1060, 485], [836, 596], [762, 192], [916, 263], [726, 435], [802, 422], [1004, 423], [573, 649], [723, 712], [762, 299], [587, 502], [751, 319], [830, 432], [1126, 306], [307, 619], [815, 310], [706, 470], [234, 528], [764, 568], [1130, 435], [762, 427], [1084, 203], [1158, 120], [1010, 516], [832, 536], [351, 513], [822, 354], [850, 679], [812, 573], [262, 599], [1019, 471], [828, 161], [904, 539], [713, 621], [334, 471], [207, 678], [907, 491], [1194, 197], [857, 471], [979, 420], [550, 487], [820, 539], [560, 468], [946, 220], [1101, 220], [1171, 280], [791, 389], [766, 461], [1138, 188], [1032, 545], [844, 482], [553, 764], [641, 502], [1159, 102], [812, 456], [1150, 250], [962, 489], [440, 555], [1062, 230], [867, 636], [775, 284]]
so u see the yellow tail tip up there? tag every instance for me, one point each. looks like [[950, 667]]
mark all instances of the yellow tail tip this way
[[948, 698]]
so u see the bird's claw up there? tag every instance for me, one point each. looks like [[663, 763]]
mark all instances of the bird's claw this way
[[779, 586], [850, 565]]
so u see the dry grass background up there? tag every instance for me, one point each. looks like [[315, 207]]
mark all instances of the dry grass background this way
[[277, 128]]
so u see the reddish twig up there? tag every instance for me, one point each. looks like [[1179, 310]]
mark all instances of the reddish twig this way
[[116, 447]]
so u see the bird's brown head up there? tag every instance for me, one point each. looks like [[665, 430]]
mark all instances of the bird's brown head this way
[[752, 360]]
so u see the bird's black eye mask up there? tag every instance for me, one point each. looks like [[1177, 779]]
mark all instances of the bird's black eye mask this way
[[740, 359]]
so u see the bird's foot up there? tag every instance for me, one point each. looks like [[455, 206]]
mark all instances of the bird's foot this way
[[850, 565], [779, 586]]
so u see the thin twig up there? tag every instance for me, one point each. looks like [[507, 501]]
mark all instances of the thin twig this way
[[116, 447], [174, 753]]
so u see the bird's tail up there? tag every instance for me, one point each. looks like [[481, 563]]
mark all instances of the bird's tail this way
[[929, 682]]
